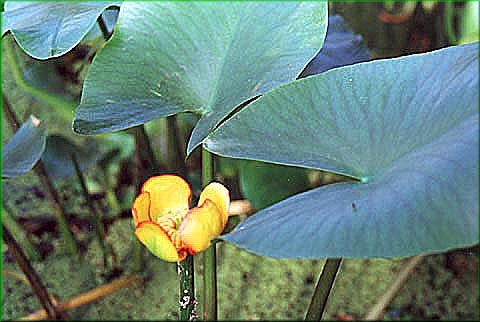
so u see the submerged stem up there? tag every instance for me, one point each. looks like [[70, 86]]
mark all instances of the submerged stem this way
[[95, 219], [112, 199], [210, 255], [58, 209], [19, 234], [34, 280], [376, 312], [87, 297], [322, 290]]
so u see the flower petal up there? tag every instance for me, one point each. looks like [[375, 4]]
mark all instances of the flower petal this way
[[141, 208], [157, 241], [169, 194], [220, 196], [200, 226]]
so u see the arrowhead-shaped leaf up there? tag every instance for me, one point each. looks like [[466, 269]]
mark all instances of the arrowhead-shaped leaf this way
[[407, 128], [24, 149], [170, 57], [50, 29], [264, 184], [57, 157]]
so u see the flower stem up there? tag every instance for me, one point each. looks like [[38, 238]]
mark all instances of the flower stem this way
[[322, 290], [37, 285], [209, 256], [187, 301]]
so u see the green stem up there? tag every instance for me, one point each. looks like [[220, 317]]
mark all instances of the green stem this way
[[176, 150], [35, 282], [112, 199], [19, 235], [207, 167], [103, 27], [187, 301], [322, 290], [64, 108], [54, 198], [145, 156], [449, 20], [58, 210], [210, 284], [95, 219], [210, 255]]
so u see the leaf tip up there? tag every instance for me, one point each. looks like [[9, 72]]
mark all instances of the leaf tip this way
[[36, 122], [192, 145]]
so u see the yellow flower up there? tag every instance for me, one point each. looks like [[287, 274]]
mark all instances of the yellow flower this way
[[165, 224]]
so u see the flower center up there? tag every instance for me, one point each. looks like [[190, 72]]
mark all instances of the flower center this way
[[170, 224]]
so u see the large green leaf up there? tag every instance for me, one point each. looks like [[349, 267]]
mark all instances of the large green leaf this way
[[50, 29], [407, 128], [170, 57], [21, 153], [264, 184]]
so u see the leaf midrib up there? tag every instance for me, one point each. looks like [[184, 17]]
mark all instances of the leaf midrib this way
[[216, 87]]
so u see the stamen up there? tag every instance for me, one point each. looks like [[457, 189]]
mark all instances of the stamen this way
[[170, 223]]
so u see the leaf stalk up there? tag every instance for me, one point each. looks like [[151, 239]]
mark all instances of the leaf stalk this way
[[210, 255], [322, 289]]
